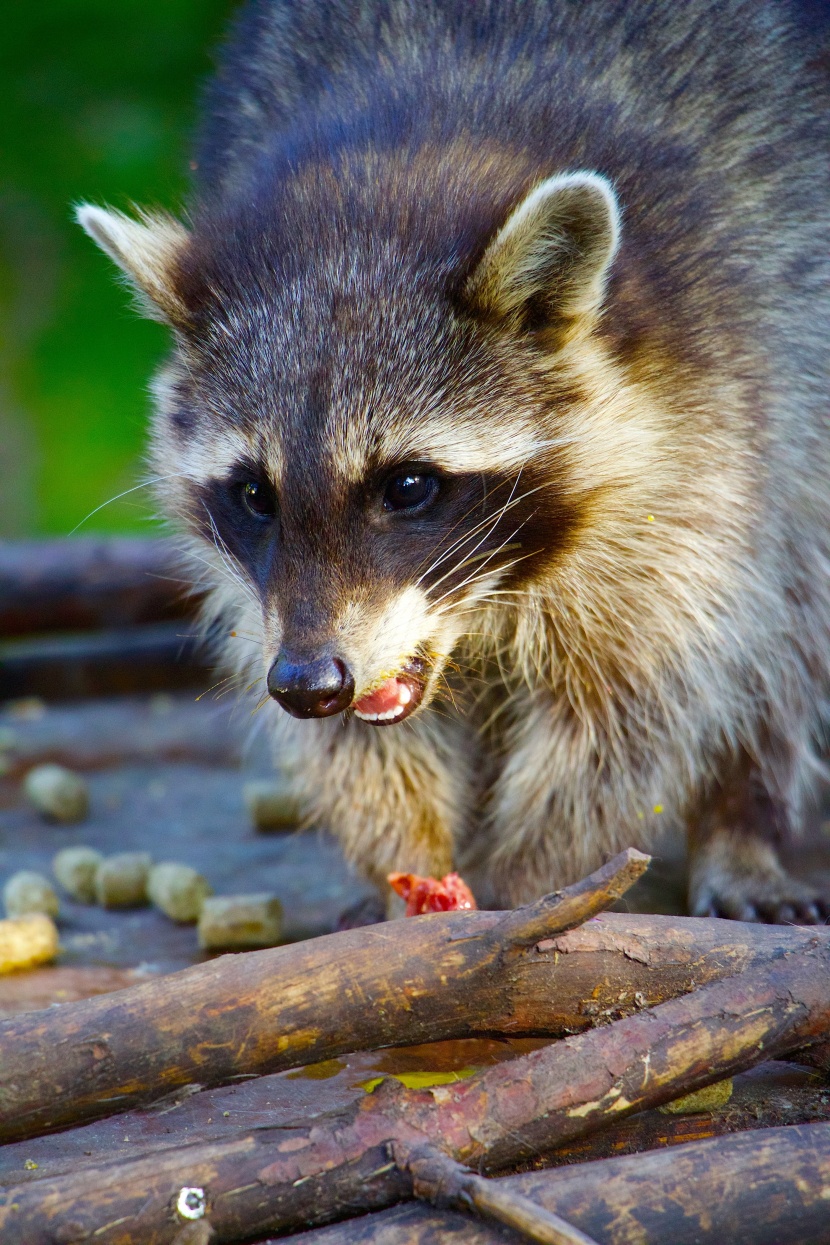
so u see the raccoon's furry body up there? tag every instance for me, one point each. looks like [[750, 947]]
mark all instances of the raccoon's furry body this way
[[566, 264]]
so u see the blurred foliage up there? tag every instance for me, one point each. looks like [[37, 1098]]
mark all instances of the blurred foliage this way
[[97, 101]]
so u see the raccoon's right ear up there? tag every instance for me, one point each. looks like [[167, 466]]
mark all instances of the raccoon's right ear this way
[[547, 266], [145, 250]]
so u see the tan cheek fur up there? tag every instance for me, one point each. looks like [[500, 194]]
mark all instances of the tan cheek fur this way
[[378, 642], [470, 442]]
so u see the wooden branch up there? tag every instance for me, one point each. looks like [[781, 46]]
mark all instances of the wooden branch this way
[[563, 910], [89, 582], [760, 1188], [278, 1179], [768, 1096], [575, 1086], [442, 976], [439, 1179], [140, 1044]]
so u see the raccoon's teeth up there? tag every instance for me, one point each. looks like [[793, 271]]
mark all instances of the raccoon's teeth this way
[[394, 699], [388, 716]]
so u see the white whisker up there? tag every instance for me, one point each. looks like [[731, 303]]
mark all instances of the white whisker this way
[[500, 570], [488, 521], [144, 484]]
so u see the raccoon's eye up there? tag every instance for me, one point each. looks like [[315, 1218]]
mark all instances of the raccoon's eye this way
[[259, 500], [410, 491]]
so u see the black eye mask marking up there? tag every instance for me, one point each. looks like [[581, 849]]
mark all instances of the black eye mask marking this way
[[518, 524], [239, 514], [409, 524]]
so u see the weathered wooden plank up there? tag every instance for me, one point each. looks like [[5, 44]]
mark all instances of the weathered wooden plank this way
[[122, 730]]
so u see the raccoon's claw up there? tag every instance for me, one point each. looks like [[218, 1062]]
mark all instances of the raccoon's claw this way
[[764, 911], [741, 879], [804, 912]]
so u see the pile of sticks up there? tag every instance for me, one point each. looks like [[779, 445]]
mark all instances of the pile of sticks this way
[[647, 1009]]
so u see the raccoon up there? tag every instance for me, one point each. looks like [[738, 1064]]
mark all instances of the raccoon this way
[[498, 416]]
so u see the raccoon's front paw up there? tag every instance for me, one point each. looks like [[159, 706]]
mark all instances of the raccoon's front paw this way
[[741, 878]]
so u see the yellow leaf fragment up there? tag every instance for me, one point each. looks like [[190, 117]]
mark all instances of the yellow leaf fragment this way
[[419, 1080]]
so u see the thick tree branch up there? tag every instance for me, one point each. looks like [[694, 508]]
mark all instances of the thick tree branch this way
[[760, 1188], [442, 976], [278, 1179], [119, 1050]]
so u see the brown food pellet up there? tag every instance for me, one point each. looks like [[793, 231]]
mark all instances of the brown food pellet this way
[[26, 941], [57, 793], [271, 805], [178, 891]]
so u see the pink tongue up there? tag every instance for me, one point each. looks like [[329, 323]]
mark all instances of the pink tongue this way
[[383, 698]]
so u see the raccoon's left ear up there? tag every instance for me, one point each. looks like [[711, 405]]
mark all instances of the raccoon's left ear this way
[[145, 250], [546, 267]]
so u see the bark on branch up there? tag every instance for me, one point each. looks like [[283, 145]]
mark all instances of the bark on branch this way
[[439, 1179], [443, 976], [279, 1179], [767, 1096], [759, 1188], [274, 1009]]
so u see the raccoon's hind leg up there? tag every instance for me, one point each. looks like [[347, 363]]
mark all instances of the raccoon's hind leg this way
[[735, 870]]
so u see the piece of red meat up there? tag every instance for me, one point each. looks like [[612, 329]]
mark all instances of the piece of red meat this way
[[422, 895]]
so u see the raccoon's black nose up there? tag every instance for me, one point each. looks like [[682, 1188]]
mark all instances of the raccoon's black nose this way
[[311, 689]]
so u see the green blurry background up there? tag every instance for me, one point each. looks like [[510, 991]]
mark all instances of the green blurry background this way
[[97, 101]]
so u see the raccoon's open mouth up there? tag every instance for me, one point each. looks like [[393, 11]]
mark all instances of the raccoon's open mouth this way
[[396, 698]]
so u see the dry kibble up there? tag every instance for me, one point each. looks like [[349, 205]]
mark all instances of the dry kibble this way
[[75, 869], [121, 880], [57, 793], [271, 805], [27, 892], [707, 1099], [178, 891], [26, 941], [236, 922]]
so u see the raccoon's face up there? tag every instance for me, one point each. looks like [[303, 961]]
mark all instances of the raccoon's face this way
[[364, 436]]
